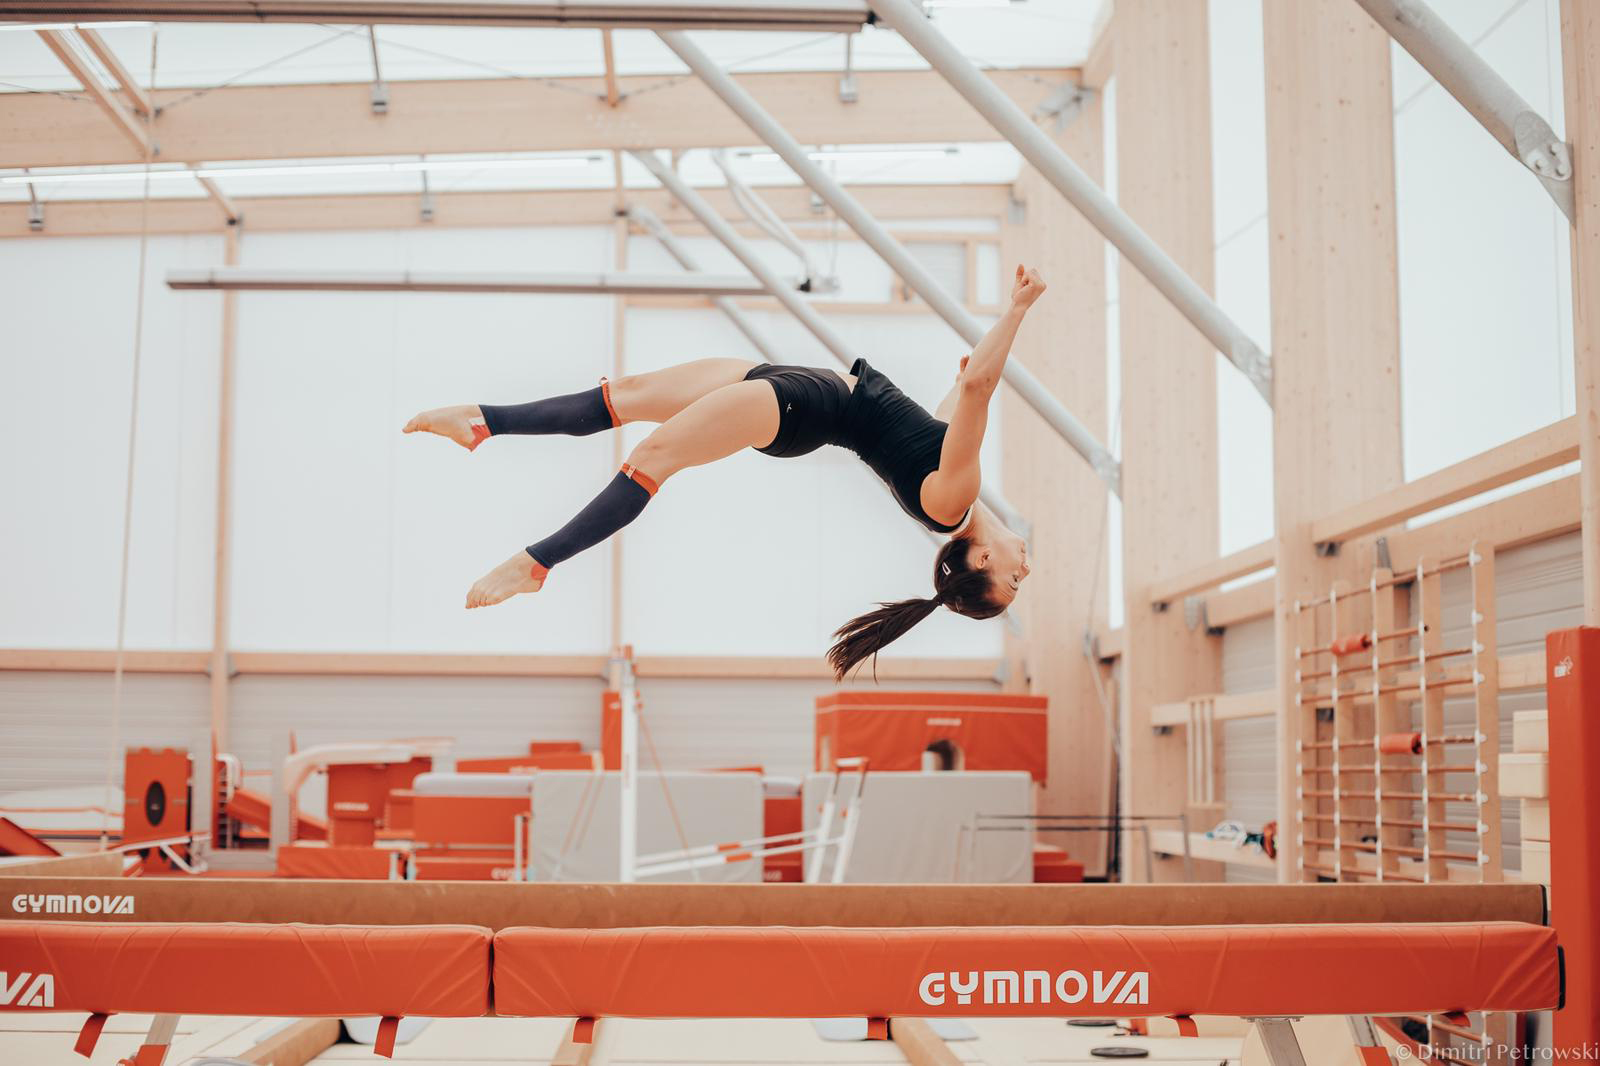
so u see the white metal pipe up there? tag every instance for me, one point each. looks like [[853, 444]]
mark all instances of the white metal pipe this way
[[842, 16], [1136, 246], [1487, 96], [791, 300], [893, 252], [628, 834], [251, 279], [701, 850]]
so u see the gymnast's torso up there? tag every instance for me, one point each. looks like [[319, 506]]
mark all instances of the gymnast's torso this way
[[891, 432]]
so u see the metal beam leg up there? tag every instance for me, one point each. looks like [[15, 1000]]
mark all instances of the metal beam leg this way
[[1371, 1049], [1489, 98], [1277, 1037], [1144, 254], [809, 318], [893, 252]]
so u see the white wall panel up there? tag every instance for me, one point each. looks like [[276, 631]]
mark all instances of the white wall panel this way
[[66, 370], [353, 536]]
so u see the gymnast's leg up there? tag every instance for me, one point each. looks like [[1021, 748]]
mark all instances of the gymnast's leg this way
[[652, 397], [741, 415]]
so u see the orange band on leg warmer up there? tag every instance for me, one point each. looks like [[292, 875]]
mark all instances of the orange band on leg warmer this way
[[605, 394], [640, 478]]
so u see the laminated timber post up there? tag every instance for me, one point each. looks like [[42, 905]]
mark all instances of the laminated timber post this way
[[1335, 306], [1169, 430], [1066, 502], [1580, 63]]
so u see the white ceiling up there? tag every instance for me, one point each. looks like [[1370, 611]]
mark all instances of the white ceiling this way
[[1024, 33]]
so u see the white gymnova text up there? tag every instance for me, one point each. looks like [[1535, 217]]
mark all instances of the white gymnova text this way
[[991, 987], [58, 903]]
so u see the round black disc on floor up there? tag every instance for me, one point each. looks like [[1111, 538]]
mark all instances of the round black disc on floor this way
[[1091, 1023], [1123, 1051]]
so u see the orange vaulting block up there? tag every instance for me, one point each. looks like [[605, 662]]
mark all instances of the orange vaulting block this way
[[155, 787], [334, 863], [1572, 687], [892, 729], [1059, 972]]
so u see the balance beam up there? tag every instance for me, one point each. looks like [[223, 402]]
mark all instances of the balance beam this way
[[501, 905]]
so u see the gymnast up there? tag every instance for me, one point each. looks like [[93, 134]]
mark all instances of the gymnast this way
[[710, 408]]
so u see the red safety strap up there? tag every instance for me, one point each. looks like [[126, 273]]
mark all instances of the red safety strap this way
[[1186, 1025], [877, 1028], [1374, 1056], [388, 1029], [583, 1031], [89, 1035], [148, 1055]]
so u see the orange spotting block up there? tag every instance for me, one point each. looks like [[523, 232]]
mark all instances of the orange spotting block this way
[[1242, 971], [892, 729], [332, 862], [291, 971], [1572, 686]]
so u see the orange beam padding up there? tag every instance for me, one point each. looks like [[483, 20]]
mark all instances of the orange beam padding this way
[[256, 970], [1240, 971], [15, 840], [1572, 687]]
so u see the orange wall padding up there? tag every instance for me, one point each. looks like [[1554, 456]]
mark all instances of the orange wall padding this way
[[892, 729], [1243, 971], [1572, 687], [293, 971]]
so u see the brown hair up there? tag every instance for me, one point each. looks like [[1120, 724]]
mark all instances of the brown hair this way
[[956, 585]]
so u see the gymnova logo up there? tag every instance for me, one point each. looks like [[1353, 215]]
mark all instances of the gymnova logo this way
[[28, 990], [57, 903], [1035, 986]]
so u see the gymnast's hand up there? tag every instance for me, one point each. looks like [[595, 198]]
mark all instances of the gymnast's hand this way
[[1027, 287]]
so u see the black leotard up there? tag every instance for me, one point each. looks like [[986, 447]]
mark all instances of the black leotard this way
[[889, 430]]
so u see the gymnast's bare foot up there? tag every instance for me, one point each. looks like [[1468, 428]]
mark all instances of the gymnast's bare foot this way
[[511, 577], [462, 424]]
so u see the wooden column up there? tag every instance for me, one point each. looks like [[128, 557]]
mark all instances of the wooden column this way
[[1580, 61], [1335, 313], [1169, 405], [220, 668], [1064, 342]]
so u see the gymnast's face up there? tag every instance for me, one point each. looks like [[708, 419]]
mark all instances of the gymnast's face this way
[[1005, 558]]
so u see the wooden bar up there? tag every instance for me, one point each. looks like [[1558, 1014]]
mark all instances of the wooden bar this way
[[222, 549], [533, 207], [1580, 65], [1228, 568], [497, 905], [491, 115], [1333, 281], [1169, 442], [138, 99], [132, 130], [1543, 449]]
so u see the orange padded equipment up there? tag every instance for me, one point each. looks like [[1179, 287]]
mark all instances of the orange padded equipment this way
[[1400, 744], [1241, 970], [1351, 644], [290, 971], [988, 731], [1572, 686], [332, 862]]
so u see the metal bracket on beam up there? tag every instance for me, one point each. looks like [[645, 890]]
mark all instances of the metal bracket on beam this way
[[35, 210], [427, 199], [380, 90], [1548, 156], [1064, 104], [848, 91]]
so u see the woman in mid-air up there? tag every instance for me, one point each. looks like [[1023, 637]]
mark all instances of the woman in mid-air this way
[[711, 408]]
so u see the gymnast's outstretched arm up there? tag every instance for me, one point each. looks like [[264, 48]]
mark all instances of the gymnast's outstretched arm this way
[[950, 490]]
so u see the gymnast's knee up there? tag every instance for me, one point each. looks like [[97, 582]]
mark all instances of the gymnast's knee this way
[[653, 459]]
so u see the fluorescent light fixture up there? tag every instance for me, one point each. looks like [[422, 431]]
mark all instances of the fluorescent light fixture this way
[[412, 166], [868, 154]]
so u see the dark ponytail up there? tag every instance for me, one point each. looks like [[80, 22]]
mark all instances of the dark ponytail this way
[[956, 585]]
